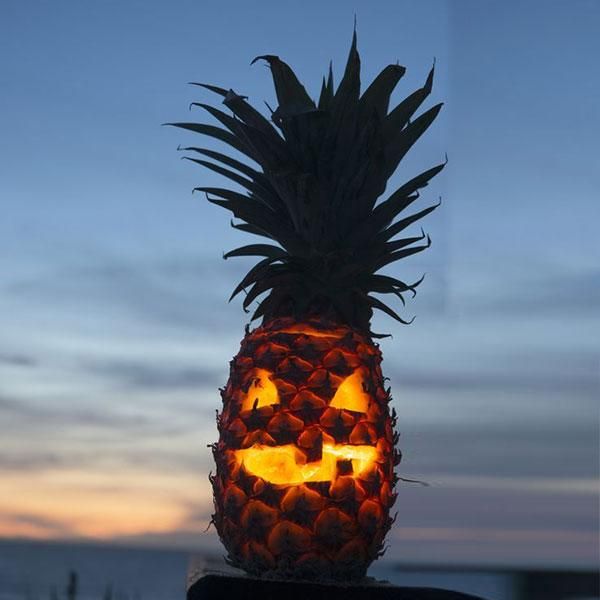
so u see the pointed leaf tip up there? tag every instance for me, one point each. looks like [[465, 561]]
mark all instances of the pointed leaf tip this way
[[213, 88], [429, 81], [231, 95], [268, 57]]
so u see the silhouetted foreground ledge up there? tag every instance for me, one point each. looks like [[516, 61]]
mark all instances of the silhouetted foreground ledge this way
[[217, 586]]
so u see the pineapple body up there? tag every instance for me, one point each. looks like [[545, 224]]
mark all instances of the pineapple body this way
[[305, 459]]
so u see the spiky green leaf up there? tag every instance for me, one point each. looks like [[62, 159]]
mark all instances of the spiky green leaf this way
[[257, 250]]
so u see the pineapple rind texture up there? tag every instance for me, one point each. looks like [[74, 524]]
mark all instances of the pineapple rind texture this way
[[317, 529]]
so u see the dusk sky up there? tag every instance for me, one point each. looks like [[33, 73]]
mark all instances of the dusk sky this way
[[115, 331]]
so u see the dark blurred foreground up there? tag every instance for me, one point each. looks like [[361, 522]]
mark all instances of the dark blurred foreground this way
[[221, 586]]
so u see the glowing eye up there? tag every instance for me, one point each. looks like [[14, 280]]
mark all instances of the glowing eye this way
[[261, 391], [351, 395]]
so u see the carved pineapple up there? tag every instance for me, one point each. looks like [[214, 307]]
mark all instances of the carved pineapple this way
[[305, 457]]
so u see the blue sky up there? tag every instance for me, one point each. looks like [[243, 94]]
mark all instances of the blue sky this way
[[114, 326]]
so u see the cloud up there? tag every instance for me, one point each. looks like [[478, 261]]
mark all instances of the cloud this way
[[179, 293], [49, 415], [196, 461], [551, 291], [509, 380], [474, 510], [30, 461], [149, 375], [41, 522], [36, 524], [514, 450], [17, 360]]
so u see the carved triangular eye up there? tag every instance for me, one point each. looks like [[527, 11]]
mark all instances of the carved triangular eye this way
[[261, 390], [351, 395]]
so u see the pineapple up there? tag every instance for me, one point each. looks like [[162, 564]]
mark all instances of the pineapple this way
[[304, 479]]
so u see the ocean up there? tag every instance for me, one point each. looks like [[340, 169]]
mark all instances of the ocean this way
[[41, 571]]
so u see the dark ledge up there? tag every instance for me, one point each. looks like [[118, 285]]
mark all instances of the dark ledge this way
[[220, 586]]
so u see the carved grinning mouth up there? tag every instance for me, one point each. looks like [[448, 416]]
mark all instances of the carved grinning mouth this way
[[282, 465]]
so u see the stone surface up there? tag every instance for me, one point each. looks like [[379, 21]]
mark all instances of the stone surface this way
[[221, 586]]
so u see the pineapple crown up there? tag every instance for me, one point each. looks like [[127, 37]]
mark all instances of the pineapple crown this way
[[320, 168]]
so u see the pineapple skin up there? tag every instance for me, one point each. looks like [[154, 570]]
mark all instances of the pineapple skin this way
[[327, 530]]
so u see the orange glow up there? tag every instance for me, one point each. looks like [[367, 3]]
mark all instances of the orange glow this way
[[261, 390], [99, 504], [351, 395], [286, 465], [308, 330]]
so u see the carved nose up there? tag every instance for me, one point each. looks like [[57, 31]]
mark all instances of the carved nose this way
[[315, 452], [344, 467], [311, 443]]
